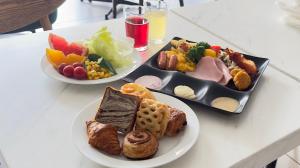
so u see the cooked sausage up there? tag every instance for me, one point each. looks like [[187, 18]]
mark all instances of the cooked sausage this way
[[248, 65], [162, 60], [172, 61]]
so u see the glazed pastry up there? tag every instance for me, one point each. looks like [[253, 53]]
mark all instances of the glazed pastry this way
[[176, 123], [103, 137], [153, 116], [118, 109], [137, 90], [139, 145]]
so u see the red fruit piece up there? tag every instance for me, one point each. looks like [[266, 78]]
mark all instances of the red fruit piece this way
[[58, 43], [61, 68], [76, 49], [77, 64], [216, 48], [79, 73], [68, 71]]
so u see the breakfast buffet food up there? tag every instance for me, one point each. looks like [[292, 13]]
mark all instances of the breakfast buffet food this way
[[207, 62], [200, 72], [118, 109], [137, 90], [185, 92], [139, 144], [225, 103], [149, 81], [176, 122], [153, 116], [103, 137], [93, 59], [141, 120], [212, 69]]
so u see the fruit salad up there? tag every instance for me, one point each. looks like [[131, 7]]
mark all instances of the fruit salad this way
[[93, 59]]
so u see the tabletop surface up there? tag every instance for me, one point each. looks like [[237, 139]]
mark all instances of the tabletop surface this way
[[252, 25], [37, 111]]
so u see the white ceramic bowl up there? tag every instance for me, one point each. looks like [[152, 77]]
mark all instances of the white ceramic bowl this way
[[127, 49]]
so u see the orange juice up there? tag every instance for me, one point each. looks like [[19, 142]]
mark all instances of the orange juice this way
[[157, 24]]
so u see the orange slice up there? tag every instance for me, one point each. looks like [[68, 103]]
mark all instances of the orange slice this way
[[72, 58], [55, 57]]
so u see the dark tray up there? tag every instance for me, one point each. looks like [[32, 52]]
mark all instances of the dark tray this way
[[205, 91]]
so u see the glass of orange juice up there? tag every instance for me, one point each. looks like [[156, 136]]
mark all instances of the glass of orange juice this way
[[156, 14]]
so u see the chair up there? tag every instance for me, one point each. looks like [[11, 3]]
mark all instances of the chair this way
[[27, 15], [115, 3]]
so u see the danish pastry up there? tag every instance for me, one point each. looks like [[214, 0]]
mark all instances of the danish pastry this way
[[118, 109], [153, 116], [176, 123], [137, 90], [103, 137], [139, 145]]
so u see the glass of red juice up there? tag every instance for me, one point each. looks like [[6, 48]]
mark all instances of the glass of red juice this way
[[137, 26]]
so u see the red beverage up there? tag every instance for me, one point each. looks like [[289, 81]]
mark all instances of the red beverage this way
[[137, 28]]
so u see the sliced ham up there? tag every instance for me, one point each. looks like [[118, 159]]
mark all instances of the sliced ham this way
[[212, 69], [207, 69], [226, 74]]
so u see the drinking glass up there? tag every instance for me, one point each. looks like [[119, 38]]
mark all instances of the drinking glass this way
[[156, 13], [137, 26]]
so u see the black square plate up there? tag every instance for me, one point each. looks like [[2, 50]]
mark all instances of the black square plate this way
[[205, 91]]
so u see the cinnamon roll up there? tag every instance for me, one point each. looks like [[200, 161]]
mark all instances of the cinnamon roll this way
[[103, 137], [139, 144]]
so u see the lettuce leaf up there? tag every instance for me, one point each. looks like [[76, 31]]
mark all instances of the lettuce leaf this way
[[104, 45]]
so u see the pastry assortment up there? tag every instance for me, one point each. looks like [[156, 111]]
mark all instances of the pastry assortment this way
[[130, 122], [208, 62], [92, 59]]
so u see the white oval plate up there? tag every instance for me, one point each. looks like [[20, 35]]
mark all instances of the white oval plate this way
[[121, 72], [170, 148]]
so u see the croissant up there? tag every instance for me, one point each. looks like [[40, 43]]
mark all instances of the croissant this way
[[103, 137], [139, 144]]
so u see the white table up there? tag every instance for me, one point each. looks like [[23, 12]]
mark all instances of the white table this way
[[36, 112], [252, 25]]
